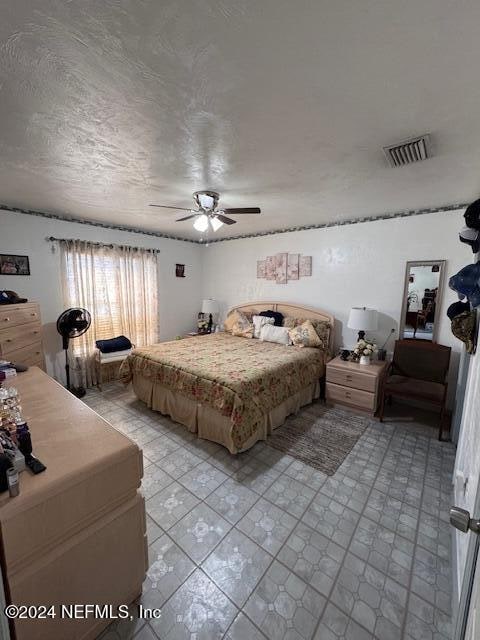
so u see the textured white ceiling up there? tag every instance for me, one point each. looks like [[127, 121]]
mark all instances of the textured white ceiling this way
[[108, 105]]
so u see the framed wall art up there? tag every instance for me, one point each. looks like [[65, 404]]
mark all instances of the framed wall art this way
[[292, 266], [281, 268], [305, 266], [284, 267], [261, 269], [13, 265]]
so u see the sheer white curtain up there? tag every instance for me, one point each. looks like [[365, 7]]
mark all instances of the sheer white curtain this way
[[118, 286]]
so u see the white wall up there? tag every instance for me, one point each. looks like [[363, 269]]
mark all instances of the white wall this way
[[179, 298], [353, 265]]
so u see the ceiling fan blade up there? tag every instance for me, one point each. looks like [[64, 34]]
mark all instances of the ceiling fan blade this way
[[165, 206], [242, 210], [187, 217], [224, 219]]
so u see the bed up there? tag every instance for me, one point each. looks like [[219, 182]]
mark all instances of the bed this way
[[227, 389]]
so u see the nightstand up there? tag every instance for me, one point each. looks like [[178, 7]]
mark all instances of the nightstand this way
[[355, 385]]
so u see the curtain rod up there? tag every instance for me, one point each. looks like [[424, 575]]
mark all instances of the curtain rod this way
[[100, 244]]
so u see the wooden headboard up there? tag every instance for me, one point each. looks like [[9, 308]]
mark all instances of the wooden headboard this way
[[290, 309]]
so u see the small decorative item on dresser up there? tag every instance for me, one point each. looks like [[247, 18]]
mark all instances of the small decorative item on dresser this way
[[353, 385], [382, 352], [363, 351]]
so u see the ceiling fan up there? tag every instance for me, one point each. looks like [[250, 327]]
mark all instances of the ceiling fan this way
[[207, 215]]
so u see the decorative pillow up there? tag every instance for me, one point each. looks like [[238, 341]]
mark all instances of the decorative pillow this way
[[290, 322], [242, 331], [258, 322], [304, 335], [242, 326], [270, 333], [233, 317], [322, 328], [276, 315]]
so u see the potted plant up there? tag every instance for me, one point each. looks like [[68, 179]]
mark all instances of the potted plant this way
[[363, 351]]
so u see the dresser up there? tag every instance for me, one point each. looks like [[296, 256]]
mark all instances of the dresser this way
[[76, 533], [355, 385], [21, 334]]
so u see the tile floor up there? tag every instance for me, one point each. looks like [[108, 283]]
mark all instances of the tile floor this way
[[262, 546]]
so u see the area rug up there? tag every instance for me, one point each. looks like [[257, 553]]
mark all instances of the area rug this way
[[319, 436]]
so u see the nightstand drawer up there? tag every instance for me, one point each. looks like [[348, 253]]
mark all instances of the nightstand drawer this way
[[347, 395], [352, 379]]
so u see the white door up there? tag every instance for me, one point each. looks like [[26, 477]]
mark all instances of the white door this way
[[466, 513], [473, 620], [467, 626]]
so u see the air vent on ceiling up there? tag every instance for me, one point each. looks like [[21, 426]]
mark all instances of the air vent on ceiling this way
[[412, 150]]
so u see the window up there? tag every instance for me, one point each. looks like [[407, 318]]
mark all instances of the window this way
[[118, 286]]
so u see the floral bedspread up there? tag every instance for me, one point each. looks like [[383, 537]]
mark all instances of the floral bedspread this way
[[241, 378]]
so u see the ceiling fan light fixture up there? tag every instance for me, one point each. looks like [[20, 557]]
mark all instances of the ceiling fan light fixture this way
[[216, 223], [206, 200], [201, 223]]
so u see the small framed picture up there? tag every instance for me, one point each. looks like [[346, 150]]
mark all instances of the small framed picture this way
[[11, 265], [180, 270]]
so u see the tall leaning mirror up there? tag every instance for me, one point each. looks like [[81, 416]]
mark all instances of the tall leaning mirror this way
[[422, 293]]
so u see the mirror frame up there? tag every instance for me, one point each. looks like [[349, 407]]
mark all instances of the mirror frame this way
[[441, 279]]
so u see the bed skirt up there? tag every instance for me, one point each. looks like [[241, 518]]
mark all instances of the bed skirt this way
[[208, 423]]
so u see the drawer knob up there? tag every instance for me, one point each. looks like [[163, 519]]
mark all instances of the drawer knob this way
[[6, 319], [8, 340], [349, 377], [33, 314]]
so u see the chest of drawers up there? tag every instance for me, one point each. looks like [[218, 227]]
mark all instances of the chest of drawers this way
[[21, 334], [76, 533], [354, 385]]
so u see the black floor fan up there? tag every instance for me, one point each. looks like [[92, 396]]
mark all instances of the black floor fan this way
[[72, 323]]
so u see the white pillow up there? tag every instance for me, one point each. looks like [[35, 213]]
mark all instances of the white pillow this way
[[259, 322], [270, 333]]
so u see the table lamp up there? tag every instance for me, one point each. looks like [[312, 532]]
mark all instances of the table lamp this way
[[362, 319], [209, 307]]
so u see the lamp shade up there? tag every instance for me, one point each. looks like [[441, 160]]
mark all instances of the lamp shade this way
[[201, 223], [361, 318], [209, 306]]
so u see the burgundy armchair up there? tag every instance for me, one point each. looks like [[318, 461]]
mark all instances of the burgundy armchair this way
[[419, 371]]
